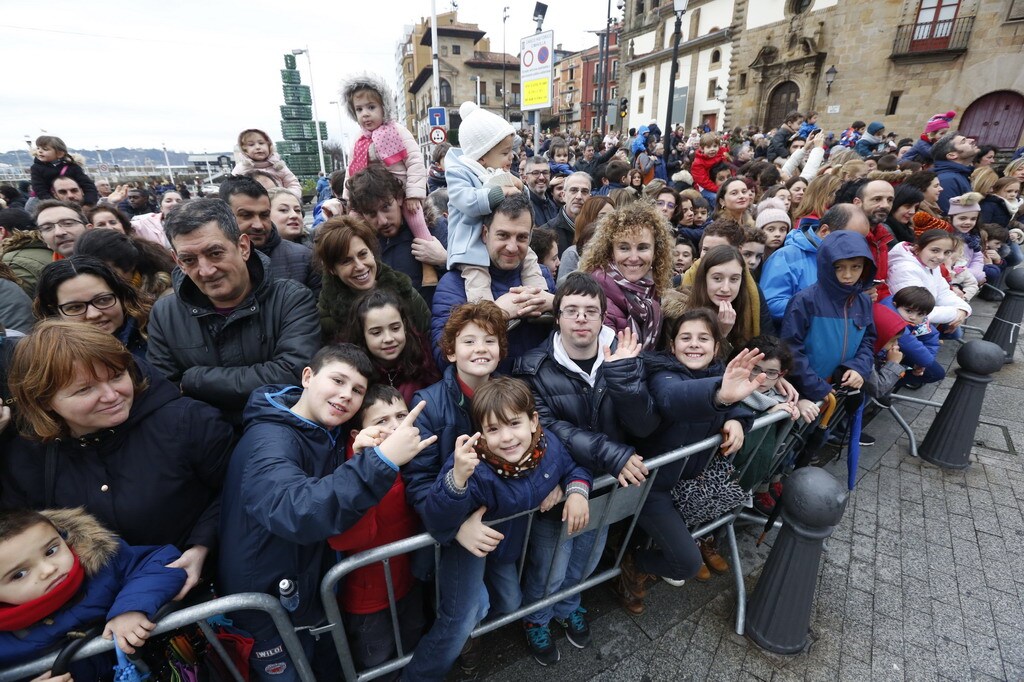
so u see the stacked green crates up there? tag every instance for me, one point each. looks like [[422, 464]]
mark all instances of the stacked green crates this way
[[299, 147]]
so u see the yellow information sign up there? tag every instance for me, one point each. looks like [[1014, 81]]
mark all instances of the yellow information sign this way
[[535, 92]]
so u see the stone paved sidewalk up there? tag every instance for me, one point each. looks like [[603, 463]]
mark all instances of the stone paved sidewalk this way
[[922, 580]]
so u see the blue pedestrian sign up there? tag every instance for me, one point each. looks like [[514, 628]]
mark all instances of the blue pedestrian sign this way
[[437, 116]]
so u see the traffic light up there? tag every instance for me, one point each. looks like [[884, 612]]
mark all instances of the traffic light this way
[[623, 105]]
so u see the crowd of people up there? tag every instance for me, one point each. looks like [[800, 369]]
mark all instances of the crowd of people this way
[[214, 392]]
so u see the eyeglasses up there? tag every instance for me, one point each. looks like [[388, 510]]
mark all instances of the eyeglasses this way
[[573, 313], [66, 224], [76, 308], [772, 374], [539, 174], [665, 204]]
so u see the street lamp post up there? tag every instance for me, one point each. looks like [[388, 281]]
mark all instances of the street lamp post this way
[[316, 117], [341, 132], [504, 51], [679, 6], [167, 161]]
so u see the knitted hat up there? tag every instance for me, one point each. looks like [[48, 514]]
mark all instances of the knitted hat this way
[[480, 130], [875, 127], [923, 222], [939, 122], [967, 203], [772, 211]]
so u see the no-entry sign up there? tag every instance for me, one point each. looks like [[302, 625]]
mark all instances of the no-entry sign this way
[[438, 135]]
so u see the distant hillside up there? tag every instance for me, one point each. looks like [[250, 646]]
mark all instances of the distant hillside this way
[[118, 155]]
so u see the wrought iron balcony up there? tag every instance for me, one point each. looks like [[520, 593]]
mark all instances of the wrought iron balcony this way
[[950, 37]]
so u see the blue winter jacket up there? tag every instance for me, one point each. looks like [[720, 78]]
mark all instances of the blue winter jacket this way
[[446, 416], [829, 325], [451, 291], [468, 202], [955, 179], [118, 578], [918, 349], [920, 152], [686, 400], [446, 508], [288, 489], [792, 268]]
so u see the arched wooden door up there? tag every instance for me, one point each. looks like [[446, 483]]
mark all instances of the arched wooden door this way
[[996, 119], [784, 99]]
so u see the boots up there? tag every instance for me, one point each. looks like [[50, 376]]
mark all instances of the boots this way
[[712, 559], [631, 587]]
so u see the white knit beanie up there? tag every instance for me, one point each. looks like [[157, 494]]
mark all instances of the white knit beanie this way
[[480, 130]]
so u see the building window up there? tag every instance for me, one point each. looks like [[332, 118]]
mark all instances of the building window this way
[[712, 84], [643, 79], [456, 49], [800, 6], [497, 89], [446, 93], [615, 65], [640, 107], [716, 56], [1016, 11], [894, 101], [444, 50], [743, 80], [572, 73], [639, 6]]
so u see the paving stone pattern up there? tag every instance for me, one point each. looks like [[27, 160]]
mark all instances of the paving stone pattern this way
[[922, 580]]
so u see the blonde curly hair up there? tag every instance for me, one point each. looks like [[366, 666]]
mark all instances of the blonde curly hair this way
[[630, 221]]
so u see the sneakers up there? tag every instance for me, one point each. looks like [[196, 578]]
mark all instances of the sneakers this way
[[866, 439], [577, 630], [469, 658], [673, 582], [538, 638], [712, 559]]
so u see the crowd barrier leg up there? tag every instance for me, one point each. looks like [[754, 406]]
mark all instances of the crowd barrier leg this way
[[218, 648]]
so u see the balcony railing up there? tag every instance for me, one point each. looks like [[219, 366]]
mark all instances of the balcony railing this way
[[951, 36]]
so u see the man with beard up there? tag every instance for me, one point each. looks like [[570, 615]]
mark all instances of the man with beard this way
[[250, 203], [876, 197], [577, 190]]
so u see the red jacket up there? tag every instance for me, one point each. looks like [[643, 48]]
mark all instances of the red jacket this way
[[365, 590], [701, 169], [878, 241]]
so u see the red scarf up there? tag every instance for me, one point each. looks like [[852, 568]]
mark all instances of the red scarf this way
[[14, 618], [388, 142]]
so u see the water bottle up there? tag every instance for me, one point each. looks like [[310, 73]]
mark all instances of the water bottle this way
[[289, 594]]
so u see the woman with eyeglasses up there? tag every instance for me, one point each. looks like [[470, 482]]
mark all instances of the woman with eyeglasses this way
[[84, 289]]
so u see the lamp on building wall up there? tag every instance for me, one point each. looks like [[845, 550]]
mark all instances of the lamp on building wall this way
[[679, 7], [719, 93], [830, 78]]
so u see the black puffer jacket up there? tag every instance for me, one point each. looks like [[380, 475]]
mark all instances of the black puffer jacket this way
[[289, 260], [221, 360], [596, 424], [153, 480]]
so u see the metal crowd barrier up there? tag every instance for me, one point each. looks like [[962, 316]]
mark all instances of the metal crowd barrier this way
[[250, 601], [605, 509], [616, 505]]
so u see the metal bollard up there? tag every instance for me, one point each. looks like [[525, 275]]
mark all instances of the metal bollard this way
[[1005, 327], [779, 612], [951, 436]]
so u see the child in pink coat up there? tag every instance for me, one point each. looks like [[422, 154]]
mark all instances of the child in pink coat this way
[[254, 150]]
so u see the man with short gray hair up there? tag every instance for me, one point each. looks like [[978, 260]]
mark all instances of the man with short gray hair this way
[[577, 190], [231, 327]]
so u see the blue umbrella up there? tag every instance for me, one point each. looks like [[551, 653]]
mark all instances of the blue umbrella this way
[[854, 454], [125, 670]]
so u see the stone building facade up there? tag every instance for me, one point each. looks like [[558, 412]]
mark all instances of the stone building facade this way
[[464, 54], [703, 69], [579, 88], [896, 61]]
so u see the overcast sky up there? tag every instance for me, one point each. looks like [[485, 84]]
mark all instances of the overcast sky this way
[[192, 74]]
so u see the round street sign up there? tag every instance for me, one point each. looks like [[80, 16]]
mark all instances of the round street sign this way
[[103, 168], [438, 135]]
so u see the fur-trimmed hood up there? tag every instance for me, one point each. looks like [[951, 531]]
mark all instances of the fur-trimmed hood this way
[[371, 81], [22, 239], [94, 544], [243, 163]]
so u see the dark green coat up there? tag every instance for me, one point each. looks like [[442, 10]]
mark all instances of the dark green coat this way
[[337, 303]]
